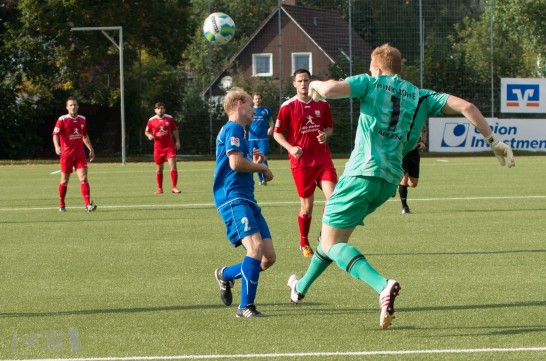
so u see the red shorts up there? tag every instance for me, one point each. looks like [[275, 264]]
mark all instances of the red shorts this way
[[68, 164], [308, 178], [162, 154]]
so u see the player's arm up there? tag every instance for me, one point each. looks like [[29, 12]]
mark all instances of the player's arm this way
[[294, 150], [238, 163], [148, 132], [456, 105], [330, 89], [271, 127], [89, 146], [176, 135], [324, 135], [422, 143], [57, 144]]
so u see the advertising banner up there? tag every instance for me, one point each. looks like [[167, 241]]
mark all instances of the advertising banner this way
[[458, 135], [523, 95]]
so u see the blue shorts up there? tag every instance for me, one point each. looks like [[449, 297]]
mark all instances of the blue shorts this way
[[242, 219], [261, 144]]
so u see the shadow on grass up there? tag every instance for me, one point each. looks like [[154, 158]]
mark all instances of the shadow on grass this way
[[108, 311], [473, 307], [493, 331], [458, 253]]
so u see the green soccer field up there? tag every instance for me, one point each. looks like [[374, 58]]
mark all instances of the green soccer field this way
[[134, 279]]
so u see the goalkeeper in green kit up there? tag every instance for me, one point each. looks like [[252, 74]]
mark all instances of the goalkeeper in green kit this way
[[392, 113]]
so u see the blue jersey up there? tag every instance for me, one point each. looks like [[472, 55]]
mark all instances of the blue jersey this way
[[230, 185], [257, 130]]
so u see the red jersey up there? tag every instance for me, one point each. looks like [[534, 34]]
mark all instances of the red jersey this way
[[302, 122], [162, 130], [71, 132]]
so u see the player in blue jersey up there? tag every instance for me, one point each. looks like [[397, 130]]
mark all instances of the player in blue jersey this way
[[233, 192], [260, 129], [392, 113]]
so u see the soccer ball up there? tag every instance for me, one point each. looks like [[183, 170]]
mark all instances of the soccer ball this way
[[219, 28]]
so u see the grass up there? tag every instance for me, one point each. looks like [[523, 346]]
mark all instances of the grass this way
[[135, 278]]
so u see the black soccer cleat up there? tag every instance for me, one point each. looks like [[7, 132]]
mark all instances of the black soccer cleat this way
[[225, 287], [249, 311]]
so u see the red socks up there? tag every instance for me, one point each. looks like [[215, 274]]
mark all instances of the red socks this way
[[159, 180], [304, 222], [62, 194], [174, 177], [86, 192]]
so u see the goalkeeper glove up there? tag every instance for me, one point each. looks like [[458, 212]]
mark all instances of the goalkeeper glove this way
[[502, 151], [314, 92]]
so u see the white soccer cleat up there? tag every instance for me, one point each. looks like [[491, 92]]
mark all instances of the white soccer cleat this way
[[91, 207], [386, 303], [295, 297]]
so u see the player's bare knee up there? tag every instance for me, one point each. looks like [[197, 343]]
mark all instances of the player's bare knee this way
[[268, 262]]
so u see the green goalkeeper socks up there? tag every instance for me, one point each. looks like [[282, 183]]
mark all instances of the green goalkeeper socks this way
[[318, 264], [349, 259]]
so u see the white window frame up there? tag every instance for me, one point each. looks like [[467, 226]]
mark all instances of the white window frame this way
[[310, 55], [254, 57]]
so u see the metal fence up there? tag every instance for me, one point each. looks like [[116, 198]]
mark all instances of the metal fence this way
[[426, 33]]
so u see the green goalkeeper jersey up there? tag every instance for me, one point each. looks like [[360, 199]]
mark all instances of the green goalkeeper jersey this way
[[392, 114]]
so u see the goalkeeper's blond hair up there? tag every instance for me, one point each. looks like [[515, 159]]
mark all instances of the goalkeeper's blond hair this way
[[388, 58]]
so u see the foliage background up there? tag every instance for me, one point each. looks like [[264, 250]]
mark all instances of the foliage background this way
[[167, 59]]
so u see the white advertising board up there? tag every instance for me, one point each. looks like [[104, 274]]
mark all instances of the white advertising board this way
[[458, 135], [523, 95]]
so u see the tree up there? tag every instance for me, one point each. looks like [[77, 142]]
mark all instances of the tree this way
[[48, 61], [519, 34]]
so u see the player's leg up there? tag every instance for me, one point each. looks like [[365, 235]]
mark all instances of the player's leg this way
[[350, 259], [174, 173], [259, 246], [327, 179], [243, 229], [403, 192], [67, 164], [63, 188], [355, 198], [305, 179], [269, 256], [304, 222], [299, 287], [410, 164], [160, 162], [250, 272], [85, 188], [263, 146], [84, 185]]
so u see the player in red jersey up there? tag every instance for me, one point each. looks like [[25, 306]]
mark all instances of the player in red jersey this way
[[307, 125], [161, 128], [69, 136]]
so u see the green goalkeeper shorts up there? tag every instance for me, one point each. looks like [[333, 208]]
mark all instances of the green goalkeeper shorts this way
[[354, 198]]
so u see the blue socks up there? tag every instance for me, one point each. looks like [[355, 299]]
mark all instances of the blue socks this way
[[250, 274], [260, 174], [232, 272]]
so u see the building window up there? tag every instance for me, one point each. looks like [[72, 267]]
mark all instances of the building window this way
[[262, 64], [302, 61]]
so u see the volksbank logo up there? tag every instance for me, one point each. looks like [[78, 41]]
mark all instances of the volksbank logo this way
[[455, 135], [522, 95]]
